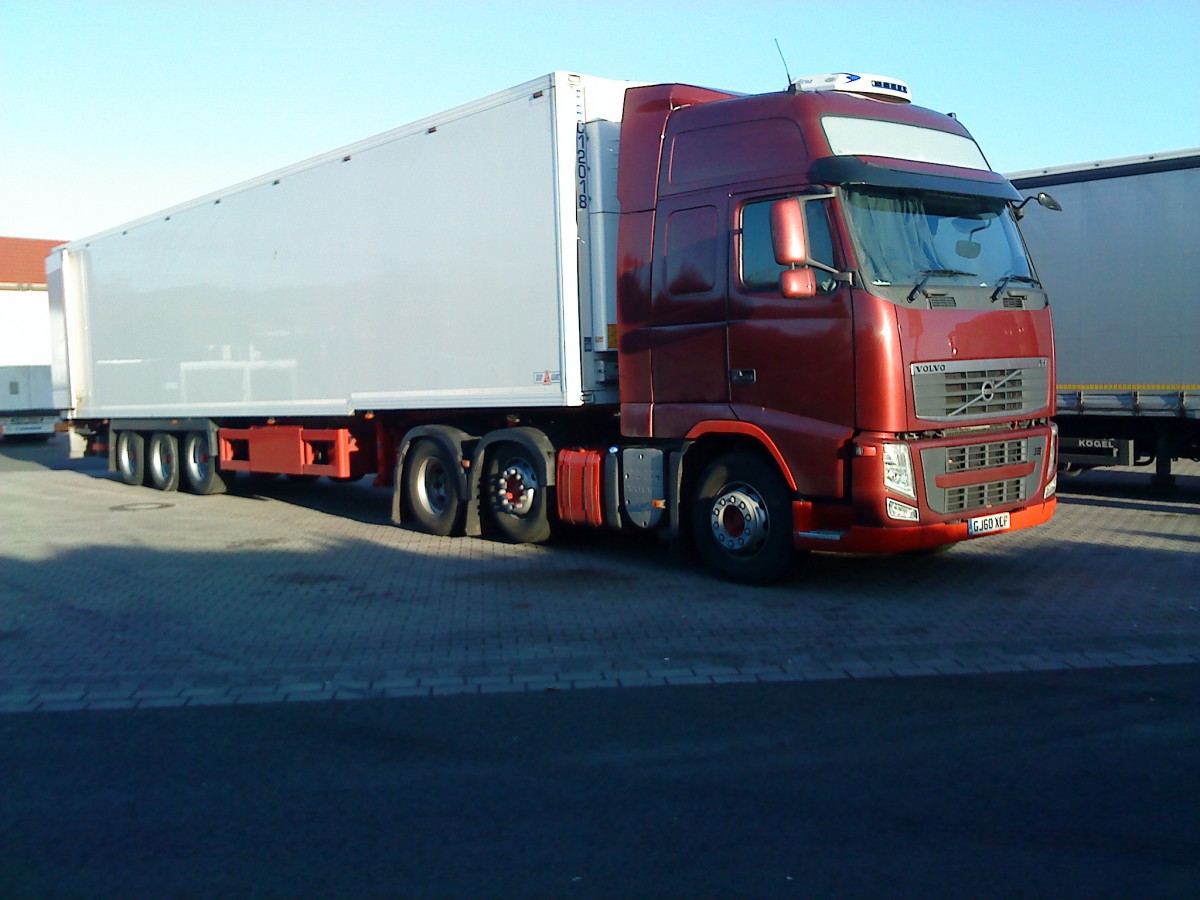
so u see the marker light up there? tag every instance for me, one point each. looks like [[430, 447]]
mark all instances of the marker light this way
[[1051, 464], [878, 86]]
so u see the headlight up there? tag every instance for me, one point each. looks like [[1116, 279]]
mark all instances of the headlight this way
[[898, 470]]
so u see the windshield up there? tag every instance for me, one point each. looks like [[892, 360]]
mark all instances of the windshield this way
[[908, 238]]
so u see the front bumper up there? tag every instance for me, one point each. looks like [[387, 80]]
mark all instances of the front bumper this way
[[952, 479]]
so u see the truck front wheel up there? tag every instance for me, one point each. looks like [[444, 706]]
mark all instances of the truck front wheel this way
[[516, 496], [741, 519], [162, 461], [431, 490], [131, 457]]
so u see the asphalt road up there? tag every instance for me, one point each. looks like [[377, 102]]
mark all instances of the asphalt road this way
[[1051, 784]]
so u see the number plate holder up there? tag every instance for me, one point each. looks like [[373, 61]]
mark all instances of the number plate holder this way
[[989, 524]]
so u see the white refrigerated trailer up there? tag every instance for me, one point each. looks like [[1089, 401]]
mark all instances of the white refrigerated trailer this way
[[411, 270], [462, 262], [1122, 264]]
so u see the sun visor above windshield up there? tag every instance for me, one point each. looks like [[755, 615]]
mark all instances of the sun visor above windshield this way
[[887, 173]]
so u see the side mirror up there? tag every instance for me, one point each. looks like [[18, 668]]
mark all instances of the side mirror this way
[[787, 233], [1042, 198], [790, 245], [1049, 202], [798, 284]]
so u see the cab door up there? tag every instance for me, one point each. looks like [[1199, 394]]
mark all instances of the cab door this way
[[791, 361], [688, 314]]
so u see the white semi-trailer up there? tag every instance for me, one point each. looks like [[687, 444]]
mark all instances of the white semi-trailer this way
[[1122, 262], [30, 405]]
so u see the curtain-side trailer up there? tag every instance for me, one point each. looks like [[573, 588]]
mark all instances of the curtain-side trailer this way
[[757, 324], [1122, 262]]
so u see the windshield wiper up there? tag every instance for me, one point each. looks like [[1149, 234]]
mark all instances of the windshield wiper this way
[[1003, 283], [926, 274]]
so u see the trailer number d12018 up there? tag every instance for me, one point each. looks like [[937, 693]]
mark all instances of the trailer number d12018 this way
[[987, 524]]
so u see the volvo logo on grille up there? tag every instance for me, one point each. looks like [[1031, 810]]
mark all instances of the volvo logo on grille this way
[[987, 391]]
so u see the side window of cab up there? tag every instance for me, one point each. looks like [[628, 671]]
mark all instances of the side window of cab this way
[[759, 271]]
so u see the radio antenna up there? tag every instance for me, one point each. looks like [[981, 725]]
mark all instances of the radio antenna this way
[[784, 61]]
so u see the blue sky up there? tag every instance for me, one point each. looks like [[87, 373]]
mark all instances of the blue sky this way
[[110, 110]]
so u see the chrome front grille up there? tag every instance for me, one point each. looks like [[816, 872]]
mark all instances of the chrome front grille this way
[[980, 389], [978, 496]]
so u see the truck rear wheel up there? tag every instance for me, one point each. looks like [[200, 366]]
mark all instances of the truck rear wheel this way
[[162, 461], [516, 496], [431, 489], [741, 519], [131, 457], [199, 468]]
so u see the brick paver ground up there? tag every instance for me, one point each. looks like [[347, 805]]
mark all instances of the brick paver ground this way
[[115, 597]]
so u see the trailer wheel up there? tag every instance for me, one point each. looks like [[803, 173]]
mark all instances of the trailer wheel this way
[[516, 496], [431, 490], [199, 468], [162, 461], [741, 519], [131, 457]]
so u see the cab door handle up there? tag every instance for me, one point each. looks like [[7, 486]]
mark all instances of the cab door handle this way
[[742, 376]]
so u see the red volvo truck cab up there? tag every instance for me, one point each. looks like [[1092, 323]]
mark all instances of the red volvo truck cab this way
[[823, 295]]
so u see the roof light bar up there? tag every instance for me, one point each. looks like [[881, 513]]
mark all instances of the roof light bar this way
[[878, 86]]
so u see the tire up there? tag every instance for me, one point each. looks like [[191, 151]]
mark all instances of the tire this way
[[742, 519], [199, 468], [516, 496], [162, 461], [131, 457], [431, 490]]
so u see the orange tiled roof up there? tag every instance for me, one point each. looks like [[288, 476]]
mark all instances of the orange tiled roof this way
[[23, 260]]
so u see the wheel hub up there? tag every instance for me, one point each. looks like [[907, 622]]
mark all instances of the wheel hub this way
[[515, 489], [433, 487], [739, 519], [198, 462]]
